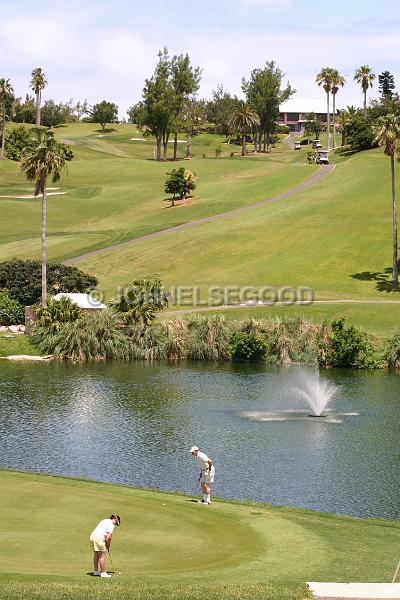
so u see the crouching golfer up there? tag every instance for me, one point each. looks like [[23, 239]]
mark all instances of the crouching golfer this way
[[100, 542], [207, 472]]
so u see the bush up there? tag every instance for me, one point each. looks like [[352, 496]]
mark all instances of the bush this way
[[392, 351], [23, 280], [208, 338], [91, 337], [310, 156], [283, 129], [16, 140], [141, 300], [350, 347], [180, 182], [11, 311], [359, 134], [219, 151], [247, 347], [57, 313]]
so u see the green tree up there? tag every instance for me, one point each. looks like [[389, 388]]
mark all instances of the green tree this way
[[104, 112], [337, 82], [6, 94], [42, 158], [193, 119], [244, 120], [38, 83], [158, 103], [264, 93], [53, 114], [364, 76], [23, 280], [324, 79], [141, 300], [387, 135], [313, 125], [386, 85], [185, 81], [24, 111], [180, 182], [17, 138], [219, 110]]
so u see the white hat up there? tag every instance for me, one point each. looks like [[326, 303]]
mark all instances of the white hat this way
[[193, 449]]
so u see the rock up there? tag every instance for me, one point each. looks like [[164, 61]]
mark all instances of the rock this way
[[3, 328], [13, 328], [29, 357]]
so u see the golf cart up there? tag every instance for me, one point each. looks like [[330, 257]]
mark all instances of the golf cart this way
[[322, 157], [297, 146], [316, 144]]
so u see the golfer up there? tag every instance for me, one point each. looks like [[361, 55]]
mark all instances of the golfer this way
[[207, 472], [100, 542]]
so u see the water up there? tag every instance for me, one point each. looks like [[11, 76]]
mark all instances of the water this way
[[134, 423]]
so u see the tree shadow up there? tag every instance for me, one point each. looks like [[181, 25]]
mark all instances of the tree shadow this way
[[106, 130], [382, 279]]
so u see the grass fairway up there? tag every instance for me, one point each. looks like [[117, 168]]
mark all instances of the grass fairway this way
[[169, 547]]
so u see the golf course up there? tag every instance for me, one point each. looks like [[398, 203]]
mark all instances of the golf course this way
[[169, 546], [333, 236]]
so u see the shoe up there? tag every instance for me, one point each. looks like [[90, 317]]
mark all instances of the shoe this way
[[96, 573], [203, 502], [105, 575]]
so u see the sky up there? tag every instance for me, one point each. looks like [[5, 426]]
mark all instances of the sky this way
[[104, 49]]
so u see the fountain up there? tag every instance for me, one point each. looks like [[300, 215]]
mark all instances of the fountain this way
[[316, 392]]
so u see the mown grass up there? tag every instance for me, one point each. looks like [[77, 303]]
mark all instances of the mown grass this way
[[168, 546], [115, 191]]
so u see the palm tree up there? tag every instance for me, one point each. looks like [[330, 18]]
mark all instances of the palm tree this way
[[42, 157], [337, 82], [244, 120], [324, 79], [6, 94], [387, 135], [38, 83], [364, 76]]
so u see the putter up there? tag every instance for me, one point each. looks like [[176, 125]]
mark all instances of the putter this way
[[112, 565], [196, 488]]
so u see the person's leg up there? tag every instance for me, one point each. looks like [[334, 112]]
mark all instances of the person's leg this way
[[208, 492], [102, 561], [95, 562]]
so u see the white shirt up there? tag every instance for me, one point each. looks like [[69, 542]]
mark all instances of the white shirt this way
[[103, 528], [202, 460]]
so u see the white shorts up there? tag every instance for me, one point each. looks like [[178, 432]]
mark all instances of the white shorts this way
[[207, 476]]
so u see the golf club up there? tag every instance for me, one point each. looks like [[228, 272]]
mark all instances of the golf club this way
[[112, 565], [196, 487]]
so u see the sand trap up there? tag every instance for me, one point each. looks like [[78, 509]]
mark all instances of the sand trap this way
[[29, 196], [139, 140]]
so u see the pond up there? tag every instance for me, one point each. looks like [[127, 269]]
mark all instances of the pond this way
[[134, 423]]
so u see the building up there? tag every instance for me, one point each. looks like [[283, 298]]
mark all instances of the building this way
[[84, 301], [293, 112]]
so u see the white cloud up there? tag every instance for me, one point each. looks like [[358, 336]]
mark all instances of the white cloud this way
[[83, 61]]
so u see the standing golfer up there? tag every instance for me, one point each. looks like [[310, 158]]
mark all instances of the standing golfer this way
[[207, 472], [100, 542]]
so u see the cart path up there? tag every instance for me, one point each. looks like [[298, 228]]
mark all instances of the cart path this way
[[322, 172]]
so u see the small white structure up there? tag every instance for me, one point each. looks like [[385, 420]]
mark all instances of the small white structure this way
[[84, 301]]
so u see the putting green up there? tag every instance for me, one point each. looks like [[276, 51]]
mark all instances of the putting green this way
[[169, 538]]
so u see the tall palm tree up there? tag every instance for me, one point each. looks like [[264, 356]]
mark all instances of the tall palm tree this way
[[244, 120], [42, 157], [6, 94], [324, 79], [38, 83], [337, 82], [364, 76], [387, 135]]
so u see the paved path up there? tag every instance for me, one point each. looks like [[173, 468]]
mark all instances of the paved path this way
[[322, 172], [354, 591]]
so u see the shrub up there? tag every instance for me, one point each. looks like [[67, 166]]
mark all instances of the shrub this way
[[16, 140], [247, 347], [23, 279], [359, 134], [208, 338], [310, 156], [57, 313], [91, 337], [150, 343], [11, 311], [219, 151], [392, 351], [141, 300], [180, 182], [350, 347], [282, 129]]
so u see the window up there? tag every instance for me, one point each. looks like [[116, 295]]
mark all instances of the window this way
[[293, 116]]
